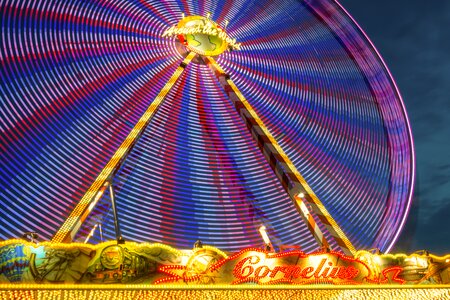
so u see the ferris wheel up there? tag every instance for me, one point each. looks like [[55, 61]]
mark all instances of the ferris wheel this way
[[296, 125]]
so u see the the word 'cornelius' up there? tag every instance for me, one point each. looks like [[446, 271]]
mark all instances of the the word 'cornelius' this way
[[252, 268]]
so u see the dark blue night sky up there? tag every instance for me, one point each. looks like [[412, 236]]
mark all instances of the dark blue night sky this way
[[414, 39]]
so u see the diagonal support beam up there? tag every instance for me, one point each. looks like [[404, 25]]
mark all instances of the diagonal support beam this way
[[294, 184], [79, 214]]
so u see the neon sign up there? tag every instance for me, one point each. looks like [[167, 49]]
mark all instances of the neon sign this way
[[255, 269], [202, 36], [295, 267]]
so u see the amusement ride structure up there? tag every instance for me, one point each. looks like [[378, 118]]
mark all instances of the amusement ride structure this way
[[125, 126]]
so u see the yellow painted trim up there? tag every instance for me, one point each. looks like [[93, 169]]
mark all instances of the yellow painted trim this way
[[91, 246]]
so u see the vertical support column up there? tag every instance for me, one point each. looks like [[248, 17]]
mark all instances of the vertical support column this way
[[119, 238], [81, 211], [294, 184]]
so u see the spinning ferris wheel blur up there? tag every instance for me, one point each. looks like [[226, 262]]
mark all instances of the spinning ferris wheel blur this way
[[299, 128]]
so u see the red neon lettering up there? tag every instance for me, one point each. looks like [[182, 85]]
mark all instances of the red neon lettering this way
[[240, 271], [275, 271], [297, 272], [289, 271], [258, 270], [249, 268], [352, 272], [319, 268], [306, 271], [342, 274], [335, 271]]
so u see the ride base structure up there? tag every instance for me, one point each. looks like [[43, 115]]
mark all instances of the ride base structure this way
[[63, 269], [143, 271]]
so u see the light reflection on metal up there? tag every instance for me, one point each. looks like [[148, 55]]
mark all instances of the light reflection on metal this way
[[91, 233], [265, 237]]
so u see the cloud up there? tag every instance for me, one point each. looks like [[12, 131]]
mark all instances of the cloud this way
[[434, 235], [412, 37]]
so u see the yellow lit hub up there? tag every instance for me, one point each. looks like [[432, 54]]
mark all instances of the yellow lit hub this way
[[202, 36]]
